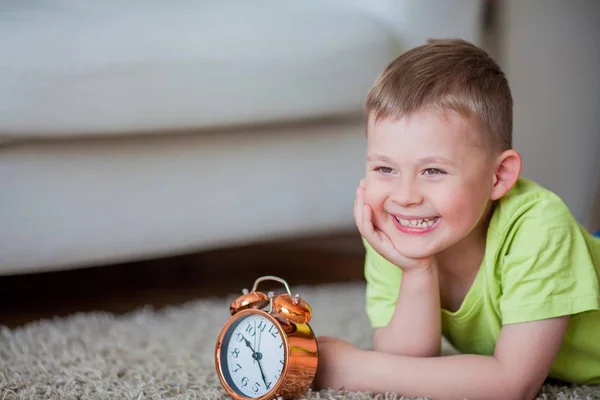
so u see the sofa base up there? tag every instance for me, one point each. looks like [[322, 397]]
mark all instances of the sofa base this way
[[77, 203]]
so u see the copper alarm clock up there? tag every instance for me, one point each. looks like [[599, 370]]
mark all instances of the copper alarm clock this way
[[267, 350]]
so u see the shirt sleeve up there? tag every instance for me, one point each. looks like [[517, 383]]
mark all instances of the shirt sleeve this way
[[548, 266], [383, 286]]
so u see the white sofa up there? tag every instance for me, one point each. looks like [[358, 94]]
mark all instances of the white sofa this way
[[135, 129]]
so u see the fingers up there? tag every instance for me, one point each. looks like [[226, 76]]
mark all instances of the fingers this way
[[358, 207], [359, 211], [359, 194], [363, 215], [370, 231], [326, 339]]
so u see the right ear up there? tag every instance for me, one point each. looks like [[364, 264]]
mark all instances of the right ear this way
[[506, 173]]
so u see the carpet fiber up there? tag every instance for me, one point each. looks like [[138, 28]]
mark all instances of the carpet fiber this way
[[166, 354]]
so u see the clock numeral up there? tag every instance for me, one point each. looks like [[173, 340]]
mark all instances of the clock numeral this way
[[256, 387], [281, 361], [239, 337], [278, 375], [273, 331], [238, 368], [236, 352], [281, 345], [262, 325], [250, 329], [269, 384], [244, 381]]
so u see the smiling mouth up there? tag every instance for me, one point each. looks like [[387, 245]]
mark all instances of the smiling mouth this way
[[417, 223]]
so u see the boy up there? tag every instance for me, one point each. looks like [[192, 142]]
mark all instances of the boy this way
[[458, 244]]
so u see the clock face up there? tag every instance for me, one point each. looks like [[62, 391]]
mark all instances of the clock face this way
[[252, 355]]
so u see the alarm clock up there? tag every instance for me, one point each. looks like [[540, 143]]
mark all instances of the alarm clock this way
[[266, 349]]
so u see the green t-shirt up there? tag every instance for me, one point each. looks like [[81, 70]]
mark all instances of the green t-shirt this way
[[539, 263]]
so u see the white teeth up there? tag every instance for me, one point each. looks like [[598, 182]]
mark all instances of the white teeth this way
[[418, 223]]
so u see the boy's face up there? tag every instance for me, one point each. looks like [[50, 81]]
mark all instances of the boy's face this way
[[428, 180]]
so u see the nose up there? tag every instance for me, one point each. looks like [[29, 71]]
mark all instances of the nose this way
[[406, 192]]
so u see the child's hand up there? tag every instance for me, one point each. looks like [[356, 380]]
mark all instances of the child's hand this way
[[381, 243], [339, 364]]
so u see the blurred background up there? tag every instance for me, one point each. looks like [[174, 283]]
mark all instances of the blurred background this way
[[157, 152]]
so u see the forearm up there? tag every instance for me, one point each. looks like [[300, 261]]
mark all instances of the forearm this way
[[451, 377], [415, 328]]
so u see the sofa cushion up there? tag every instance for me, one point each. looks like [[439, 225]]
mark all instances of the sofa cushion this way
[[110, 67]]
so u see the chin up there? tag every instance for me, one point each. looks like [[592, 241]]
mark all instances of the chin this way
[[416, 248], [415, 254]]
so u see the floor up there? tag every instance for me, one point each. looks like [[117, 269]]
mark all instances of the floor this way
[[169, 281]]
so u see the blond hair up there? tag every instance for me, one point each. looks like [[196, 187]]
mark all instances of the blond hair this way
[[449, 74]]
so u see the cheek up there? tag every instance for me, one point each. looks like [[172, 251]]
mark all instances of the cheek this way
[[463, 207]]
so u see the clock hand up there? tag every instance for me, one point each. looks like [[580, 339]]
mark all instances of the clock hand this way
[[262, 374], [259, 336], [249, 346], [255, 336], [257, 357]]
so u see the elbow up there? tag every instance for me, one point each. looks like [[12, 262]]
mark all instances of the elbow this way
[[501, 392], [520, 390], [520, 394], [529, 392]]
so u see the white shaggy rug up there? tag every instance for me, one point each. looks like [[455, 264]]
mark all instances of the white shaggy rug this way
[[166, 354]]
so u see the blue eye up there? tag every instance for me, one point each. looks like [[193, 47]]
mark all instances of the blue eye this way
[[433, 171]]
